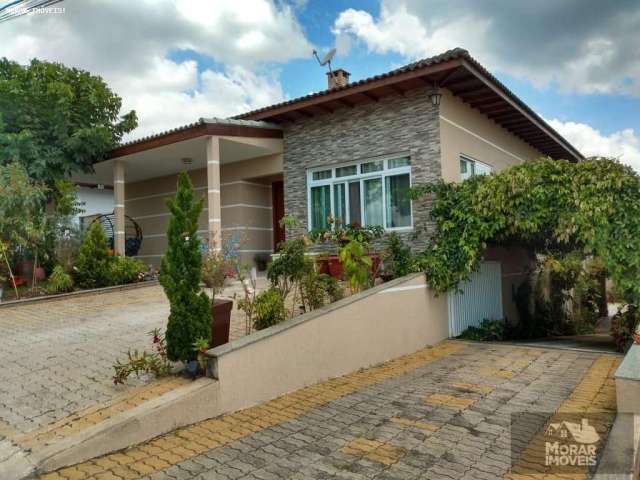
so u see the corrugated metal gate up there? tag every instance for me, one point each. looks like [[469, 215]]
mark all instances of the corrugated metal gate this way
[[482, 298]]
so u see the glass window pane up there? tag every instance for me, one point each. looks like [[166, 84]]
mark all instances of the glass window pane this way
[[466, 168], [340, 202], [482, 168], [346, 171], [399, 162], [320, 206], [373, 202], [372, 166], [397, 200], [354, 203], [321, 175]]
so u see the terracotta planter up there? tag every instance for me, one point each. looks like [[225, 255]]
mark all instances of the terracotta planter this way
[[335, 268], [220, 321], [323, 265]]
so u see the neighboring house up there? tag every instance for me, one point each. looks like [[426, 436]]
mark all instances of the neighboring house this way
[[350, 151]]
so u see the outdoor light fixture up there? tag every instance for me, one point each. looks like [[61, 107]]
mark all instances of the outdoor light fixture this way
[[435, 95]]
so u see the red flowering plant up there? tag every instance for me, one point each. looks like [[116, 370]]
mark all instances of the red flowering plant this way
[[155, 363]]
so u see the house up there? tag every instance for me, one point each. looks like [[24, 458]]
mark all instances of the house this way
[[350, 151], [578, 432]]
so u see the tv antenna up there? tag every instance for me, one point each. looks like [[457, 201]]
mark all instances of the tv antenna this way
[[326, 60]]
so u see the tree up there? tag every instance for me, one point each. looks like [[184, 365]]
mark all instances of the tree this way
[[553, 207], [180, 273], [92, 266], [21, 210], [56, 120]]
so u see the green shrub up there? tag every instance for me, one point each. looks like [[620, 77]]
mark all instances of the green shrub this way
[[318, 289], [269, 309], [356, 264], [623, 325], [124, 270], [398, 260], [92, 266], [180, 274], [60, 281], [488, 330], [287, 269]]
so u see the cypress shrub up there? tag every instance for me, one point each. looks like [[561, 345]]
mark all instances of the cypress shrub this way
[[180, 271], [91, 269]]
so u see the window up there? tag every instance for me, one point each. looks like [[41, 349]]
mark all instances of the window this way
[[470, 167], [373, 192]]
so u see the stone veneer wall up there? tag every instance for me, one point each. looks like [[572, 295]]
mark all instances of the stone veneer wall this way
[[395, 124]]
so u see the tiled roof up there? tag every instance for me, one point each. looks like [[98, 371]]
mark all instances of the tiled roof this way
[[204, 121]]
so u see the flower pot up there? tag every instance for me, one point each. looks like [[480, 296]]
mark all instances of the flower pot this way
[[335, 268], [323, 265], [193, 367], [220, 321], [40, 274]]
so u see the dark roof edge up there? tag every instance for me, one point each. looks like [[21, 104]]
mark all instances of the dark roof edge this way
[[454, 54]]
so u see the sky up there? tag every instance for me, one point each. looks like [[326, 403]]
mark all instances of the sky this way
[[575, 62]]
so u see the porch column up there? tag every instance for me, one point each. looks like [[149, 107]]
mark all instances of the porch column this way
[[118, 207], [213, 192]]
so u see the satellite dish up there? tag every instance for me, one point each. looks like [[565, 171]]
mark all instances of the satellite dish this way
[[327, 58]]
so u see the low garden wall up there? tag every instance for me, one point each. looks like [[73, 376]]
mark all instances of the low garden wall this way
[[384, 322]]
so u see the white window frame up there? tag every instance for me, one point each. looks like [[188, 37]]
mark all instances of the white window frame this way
[[361, 177], [470, 159]]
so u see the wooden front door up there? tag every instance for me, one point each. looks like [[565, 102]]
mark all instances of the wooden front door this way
[[277, 197]]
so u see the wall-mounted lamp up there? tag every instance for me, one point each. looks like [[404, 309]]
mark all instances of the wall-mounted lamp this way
[[435, 95]]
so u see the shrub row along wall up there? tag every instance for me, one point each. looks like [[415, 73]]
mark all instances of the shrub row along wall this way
[[385, 322]]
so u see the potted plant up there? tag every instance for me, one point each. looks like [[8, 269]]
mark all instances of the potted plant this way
[[340, 235], [215, 269], [200, 346]]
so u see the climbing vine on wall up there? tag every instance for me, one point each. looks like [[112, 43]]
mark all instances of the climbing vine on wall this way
[[550, 206]]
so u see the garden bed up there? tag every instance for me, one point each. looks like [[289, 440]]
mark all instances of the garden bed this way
[[61, 296]]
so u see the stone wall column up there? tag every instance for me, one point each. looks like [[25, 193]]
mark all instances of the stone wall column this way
[[213, 192], [118, 207]]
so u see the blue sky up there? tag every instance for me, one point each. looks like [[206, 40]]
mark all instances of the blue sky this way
[[607, 113], [575, 62]]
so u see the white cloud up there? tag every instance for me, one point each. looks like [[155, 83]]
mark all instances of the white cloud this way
[[623, 144], [134, 46], [583, 46]]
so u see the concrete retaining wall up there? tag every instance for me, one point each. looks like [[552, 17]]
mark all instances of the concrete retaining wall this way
[[387, 321], [621, 457]]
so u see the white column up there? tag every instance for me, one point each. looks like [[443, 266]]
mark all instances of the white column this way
[[118, 208], [213, 192]]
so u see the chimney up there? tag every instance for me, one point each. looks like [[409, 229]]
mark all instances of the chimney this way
[[340, 78]]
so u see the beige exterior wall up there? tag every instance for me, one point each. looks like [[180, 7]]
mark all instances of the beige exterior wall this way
[[464, 130], [353, 333], [246, 207]]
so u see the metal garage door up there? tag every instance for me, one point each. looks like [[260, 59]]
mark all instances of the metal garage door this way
[[481, 298]]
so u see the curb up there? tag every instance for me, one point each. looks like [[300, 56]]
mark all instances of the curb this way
[[79, 293]]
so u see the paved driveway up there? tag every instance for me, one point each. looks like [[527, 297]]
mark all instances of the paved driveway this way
[[441, 413], [57, 356]]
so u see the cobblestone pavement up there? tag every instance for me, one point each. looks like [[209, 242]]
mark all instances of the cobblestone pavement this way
[[57, 356], [441, 413]]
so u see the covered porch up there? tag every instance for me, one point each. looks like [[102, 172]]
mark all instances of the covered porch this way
[[235, 164]]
